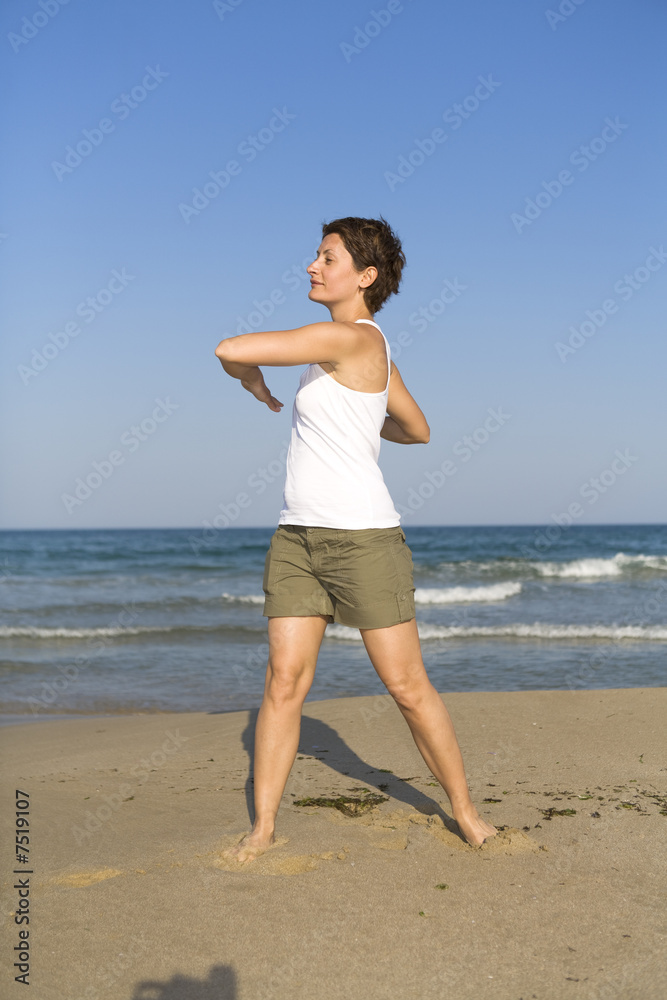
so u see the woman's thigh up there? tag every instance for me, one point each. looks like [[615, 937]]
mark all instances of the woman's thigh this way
[[294, 644], [395, 652]]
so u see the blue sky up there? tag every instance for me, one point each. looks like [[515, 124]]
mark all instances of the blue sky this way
[[517, 149]]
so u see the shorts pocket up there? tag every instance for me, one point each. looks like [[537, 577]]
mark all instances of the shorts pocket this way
[[404, 566]]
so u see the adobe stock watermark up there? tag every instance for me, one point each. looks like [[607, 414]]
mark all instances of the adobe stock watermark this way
[[565, 10], [479, 774], [322, 936], [108, 975], [582, 157], [222, 7], [258, 481], [256, 659], [130, 440], [257, 655], [51, 693], [6, 571], [636, 977], [376, 708], [449, 293], [464, 448], [454, 116], [598, 485], [421, 318], [625, 288], [122, 107], [603, 655], [363, 36], [591, 490], [32, 25], [249, 149], [93, 822], [87, 310], [293, 278]]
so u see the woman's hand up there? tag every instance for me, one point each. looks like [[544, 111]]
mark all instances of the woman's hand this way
[[251, 378], [257, 386]]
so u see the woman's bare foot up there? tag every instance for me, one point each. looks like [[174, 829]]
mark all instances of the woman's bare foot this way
[[249, 847], [474, 829]]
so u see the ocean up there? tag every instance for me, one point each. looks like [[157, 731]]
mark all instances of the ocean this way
[[150, 620]]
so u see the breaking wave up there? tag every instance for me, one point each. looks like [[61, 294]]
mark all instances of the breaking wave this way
[[538, 630], [455, 595]]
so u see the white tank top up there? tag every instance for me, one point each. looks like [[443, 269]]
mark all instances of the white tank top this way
[[333, 479]]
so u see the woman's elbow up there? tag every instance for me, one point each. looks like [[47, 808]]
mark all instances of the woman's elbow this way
[[222, 351]]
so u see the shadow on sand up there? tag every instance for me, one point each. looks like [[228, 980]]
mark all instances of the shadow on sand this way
[[320, 741], [220, 985]]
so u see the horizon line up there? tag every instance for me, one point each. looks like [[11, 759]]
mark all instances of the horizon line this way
[[268, 527]]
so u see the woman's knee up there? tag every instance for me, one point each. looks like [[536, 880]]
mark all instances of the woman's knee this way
[[410, 692], [288, 681]]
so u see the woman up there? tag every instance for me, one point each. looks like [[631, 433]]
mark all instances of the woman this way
[[339, 553]]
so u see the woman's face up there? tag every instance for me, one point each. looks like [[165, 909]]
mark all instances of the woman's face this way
[[332, 274]]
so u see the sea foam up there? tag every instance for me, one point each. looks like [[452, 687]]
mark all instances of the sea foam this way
[[455, 595], [614, 566], [536, 630]]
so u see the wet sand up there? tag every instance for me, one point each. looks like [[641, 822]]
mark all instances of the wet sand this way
[[370, 890]]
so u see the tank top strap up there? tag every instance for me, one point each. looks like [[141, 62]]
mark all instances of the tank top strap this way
[[386, 347]]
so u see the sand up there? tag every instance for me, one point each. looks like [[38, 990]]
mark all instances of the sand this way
[[129, 897]]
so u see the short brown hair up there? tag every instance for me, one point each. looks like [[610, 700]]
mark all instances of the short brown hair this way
[[372, 243]]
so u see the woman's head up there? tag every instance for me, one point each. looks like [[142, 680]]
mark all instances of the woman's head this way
[[376, 255]]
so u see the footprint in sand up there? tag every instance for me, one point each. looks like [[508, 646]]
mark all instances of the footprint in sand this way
[[511, 841], [264, 864], [389, 840], [389, 831], [273, 864], [507, 841], [78, 880]]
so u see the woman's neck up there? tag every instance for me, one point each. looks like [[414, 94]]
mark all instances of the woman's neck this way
[[348, 314]]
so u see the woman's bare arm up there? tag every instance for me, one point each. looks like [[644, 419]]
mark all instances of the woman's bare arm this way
[[241, 356], [251, 378], [305, 345], [405, 423]]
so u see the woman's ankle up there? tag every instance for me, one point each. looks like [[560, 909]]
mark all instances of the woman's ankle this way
[[463, 807], [263, 829]]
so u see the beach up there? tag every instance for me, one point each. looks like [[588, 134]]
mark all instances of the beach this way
[[369, 890]]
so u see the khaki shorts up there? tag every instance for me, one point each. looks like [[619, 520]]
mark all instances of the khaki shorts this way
[[361, 578]]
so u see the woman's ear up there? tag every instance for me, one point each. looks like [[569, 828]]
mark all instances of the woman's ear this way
[[368, 277]]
